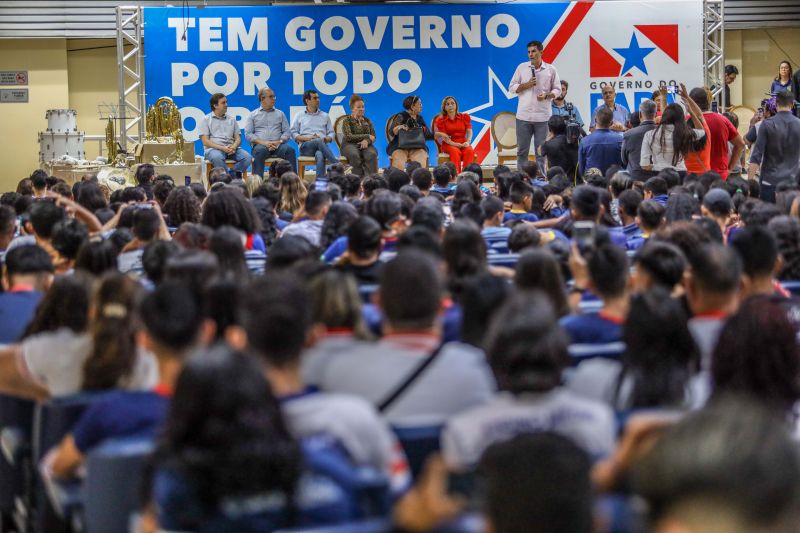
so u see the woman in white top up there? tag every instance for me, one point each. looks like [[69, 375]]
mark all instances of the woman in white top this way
[[667, 144], [73, 345]]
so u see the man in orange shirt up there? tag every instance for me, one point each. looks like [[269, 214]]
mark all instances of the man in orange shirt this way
[[719, 132]]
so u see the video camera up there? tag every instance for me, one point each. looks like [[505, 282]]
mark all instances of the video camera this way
[[574, 130]]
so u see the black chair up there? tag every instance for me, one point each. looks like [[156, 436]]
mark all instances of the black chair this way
[[378, 525], [16, 427], [52, 420], [583, 352], [497, 245], [418, 443], [504, 260], [110, 493], [468, 523], [792, 286]]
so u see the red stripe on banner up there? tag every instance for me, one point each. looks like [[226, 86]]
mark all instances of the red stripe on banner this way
[[566, 30], [483, 147]]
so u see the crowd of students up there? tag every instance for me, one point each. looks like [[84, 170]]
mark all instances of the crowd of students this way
[[572, 337]]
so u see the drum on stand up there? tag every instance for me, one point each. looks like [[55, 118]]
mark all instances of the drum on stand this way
[[61, 120], [53, 145]]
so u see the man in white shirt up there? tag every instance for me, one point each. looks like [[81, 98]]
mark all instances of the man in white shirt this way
[[536, 84]]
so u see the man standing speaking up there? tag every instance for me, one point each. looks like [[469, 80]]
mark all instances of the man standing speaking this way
[[536, 83]]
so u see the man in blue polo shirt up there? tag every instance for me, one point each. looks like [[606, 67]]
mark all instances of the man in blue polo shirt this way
[[603, 147], [620, 112], [650, 216], [29, 272], [493, 232], [521, 196], [441, 179], [586, 206], [656, 189], [605, 273]]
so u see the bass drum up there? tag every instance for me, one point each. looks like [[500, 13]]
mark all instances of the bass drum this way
[[745, 115], [54, 145], [61, 120]]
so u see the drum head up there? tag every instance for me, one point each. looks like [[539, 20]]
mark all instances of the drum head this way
[[745, 115]]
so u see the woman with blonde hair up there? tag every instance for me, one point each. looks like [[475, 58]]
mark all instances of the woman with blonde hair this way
[[253, 182], [453, 133], [293, 194], [359, 139]]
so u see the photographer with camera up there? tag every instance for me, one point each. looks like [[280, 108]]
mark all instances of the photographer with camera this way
[[560, 149], [561, 107]]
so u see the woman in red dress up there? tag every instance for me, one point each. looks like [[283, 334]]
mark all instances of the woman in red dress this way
[[453, 133]]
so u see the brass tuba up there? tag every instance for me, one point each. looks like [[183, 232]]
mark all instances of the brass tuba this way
[[164, 120]]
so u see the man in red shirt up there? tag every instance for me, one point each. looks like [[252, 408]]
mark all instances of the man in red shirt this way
[[721, 133]]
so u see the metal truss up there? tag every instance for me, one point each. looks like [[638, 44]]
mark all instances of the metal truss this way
[[714, 49], [130, 74]]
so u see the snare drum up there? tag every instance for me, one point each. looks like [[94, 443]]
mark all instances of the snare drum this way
[[53, 145], [61, 120]]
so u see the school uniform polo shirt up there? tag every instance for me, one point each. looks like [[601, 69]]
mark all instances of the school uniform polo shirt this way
[[17, 308], [353, 423], [460, 377], [592, 328], [589, 424], [121, 414], [516, 214]]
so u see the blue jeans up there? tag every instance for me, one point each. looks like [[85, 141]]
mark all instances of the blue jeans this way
[[320, 151], [218, 157], [261, 153]]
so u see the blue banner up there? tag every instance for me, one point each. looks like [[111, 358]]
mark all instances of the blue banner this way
[[383, 53], [387, 52]]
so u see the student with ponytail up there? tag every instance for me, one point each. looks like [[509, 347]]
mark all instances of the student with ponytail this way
[[114, 361]]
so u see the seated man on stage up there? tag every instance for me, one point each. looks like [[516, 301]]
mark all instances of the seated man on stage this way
[[267, 131], [219, 133], [312, 131]]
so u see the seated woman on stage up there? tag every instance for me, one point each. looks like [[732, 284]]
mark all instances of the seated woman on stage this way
[[359, 137], [408, 120], [453, 132]]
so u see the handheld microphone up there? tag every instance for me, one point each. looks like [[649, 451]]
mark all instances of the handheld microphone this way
[[533, 71]]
